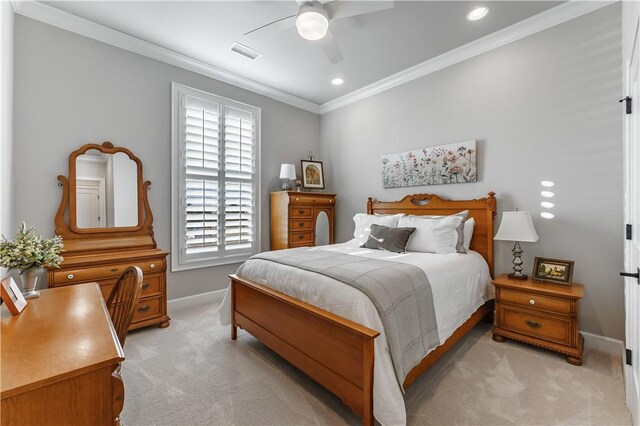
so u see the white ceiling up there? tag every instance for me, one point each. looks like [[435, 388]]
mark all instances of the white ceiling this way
[[374, 46]]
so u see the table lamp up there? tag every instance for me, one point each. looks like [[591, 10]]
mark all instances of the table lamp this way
[[287, 174], [517, 226]]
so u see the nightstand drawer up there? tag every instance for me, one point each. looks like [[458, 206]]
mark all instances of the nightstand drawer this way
[[534, 301], [299, 238], [532, 324], [300, 225], [301, 211]]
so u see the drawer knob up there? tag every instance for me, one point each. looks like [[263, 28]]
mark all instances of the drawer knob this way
[[301, 224], [152, 266], [533, 302], [297, 199], [144, 308], [533, 324], [301, 211], [114, 270], [301, 236], [145, 286], [70, 276]]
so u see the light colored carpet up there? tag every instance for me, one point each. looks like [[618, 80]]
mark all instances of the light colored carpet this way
[[193, 374]]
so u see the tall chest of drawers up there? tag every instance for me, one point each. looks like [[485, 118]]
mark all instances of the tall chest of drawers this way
[[105, 269], [294, 218]]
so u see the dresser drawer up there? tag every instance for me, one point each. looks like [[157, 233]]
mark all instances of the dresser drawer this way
[[534, 301], [299, 211], [151, 285], [147, 308], [300, 238], [300, 225], [80, 275], [533, 324]]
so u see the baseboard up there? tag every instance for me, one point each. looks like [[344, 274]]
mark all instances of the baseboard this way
[[604, 344], [196, 300]]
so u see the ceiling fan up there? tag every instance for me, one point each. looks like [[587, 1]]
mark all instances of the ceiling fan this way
[[312, 21]]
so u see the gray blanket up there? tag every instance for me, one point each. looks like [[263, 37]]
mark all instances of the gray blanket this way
[[400, 292]]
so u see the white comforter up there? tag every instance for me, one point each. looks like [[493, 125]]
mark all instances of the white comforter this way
[[460, 284]]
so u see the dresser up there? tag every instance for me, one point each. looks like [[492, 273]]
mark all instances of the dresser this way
[[105, 269], [540, 314], [295, 218], [106, 225], [59, 361]]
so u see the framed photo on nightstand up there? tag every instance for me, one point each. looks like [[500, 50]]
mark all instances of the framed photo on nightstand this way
[[552, 271]]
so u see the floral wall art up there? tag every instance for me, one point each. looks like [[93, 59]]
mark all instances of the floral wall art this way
[[452, 163]]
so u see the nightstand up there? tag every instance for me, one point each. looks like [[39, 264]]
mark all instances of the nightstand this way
[[540, 314]]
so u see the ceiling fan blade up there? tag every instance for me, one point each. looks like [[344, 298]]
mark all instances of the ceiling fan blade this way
[[343, 9], [331, 48], [278, 24]]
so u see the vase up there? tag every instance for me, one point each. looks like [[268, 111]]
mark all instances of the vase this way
[[30, 282]]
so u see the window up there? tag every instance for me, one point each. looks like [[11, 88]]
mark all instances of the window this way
[[215, 179]]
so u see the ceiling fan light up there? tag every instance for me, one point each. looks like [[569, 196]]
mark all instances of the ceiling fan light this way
[[312, 25]]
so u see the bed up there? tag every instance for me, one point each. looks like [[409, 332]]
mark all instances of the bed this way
[[340, 353]]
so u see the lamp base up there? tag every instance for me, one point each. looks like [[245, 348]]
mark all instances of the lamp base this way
[[517, 276]]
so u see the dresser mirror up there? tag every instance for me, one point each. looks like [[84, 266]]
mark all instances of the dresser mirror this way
[[106, 190], [104, 198]]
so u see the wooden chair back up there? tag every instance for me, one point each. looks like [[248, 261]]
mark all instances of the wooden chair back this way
[[123, 300]]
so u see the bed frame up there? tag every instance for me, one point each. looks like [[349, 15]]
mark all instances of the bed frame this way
[[332, 350]]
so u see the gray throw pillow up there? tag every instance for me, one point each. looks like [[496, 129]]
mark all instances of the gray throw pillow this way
[[390, 239]]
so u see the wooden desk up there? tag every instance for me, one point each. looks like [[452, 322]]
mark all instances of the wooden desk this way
[[58, 360]]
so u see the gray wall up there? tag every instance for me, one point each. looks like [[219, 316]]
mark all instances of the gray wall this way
[[6, 120], [71, 90], [542, 108]]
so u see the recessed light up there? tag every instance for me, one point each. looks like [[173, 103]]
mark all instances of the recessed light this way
[[547, 183], [547, 215], [547, 204], [477, 13], [337, 81], [547, 194]]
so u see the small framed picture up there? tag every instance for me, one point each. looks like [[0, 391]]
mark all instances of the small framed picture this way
[[12, 296], [552, 271], [312, 174]]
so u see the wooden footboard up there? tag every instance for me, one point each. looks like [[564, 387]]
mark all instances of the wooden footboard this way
[[335, 352]]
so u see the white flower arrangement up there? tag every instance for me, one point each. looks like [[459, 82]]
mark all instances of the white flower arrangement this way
[[29, 250]]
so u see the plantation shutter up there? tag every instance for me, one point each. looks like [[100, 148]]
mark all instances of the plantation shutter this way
[[239, 170], [217, 180], [202, 127]]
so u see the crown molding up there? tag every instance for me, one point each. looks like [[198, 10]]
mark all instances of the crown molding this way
[[540, 22], [557, 15], [67, 21]]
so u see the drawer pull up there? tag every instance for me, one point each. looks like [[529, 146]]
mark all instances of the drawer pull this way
[[301, 236], [301, 211], [114, 270], [70, 276], [533, 302], [145, 286], [144, 308], [152, 266], [533, 324], [301, 224], [298, 199]]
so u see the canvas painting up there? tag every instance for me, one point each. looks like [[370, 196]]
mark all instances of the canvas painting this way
[[452, 163]]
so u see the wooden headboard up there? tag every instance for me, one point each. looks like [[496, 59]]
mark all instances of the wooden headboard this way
[[482, 209]]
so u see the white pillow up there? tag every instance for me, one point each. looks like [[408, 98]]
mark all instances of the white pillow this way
[[432, 236], [468, 232], [364, 221]]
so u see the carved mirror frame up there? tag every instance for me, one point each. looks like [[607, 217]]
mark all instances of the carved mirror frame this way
[[68, 230]]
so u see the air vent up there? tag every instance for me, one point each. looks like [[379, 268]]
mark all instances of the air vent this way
[[245, 51]]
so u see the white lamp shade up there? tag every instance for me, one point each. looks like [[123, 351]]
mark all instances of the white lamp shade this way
[[517, 226], [288, 171]]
